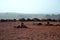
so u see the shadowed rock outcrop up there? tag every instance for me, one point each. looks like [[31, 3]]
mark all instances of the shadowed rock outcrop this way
[[39, 24], [48, 24], [21, 26]]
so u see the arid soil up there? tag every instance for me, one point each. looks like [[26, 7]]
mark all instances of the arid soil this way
[[33, 32]]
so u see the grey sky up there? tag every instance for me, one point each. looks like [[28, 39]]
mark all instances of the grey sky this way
[[30, 6]]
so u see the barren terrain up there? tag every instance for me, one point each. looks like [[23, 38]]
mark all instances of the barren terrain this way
[[33, 32]]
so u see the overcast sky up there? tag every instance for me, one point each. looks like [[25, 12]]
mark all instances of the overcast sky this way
[[30, 6]]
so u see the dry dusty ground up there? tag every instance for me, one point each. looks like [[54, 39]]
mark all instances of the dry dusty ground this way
[[33, 32]]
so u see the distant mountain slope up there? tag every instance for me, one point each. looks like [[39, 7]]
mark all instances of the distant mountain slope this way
[[53, 16], [17, 16]]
